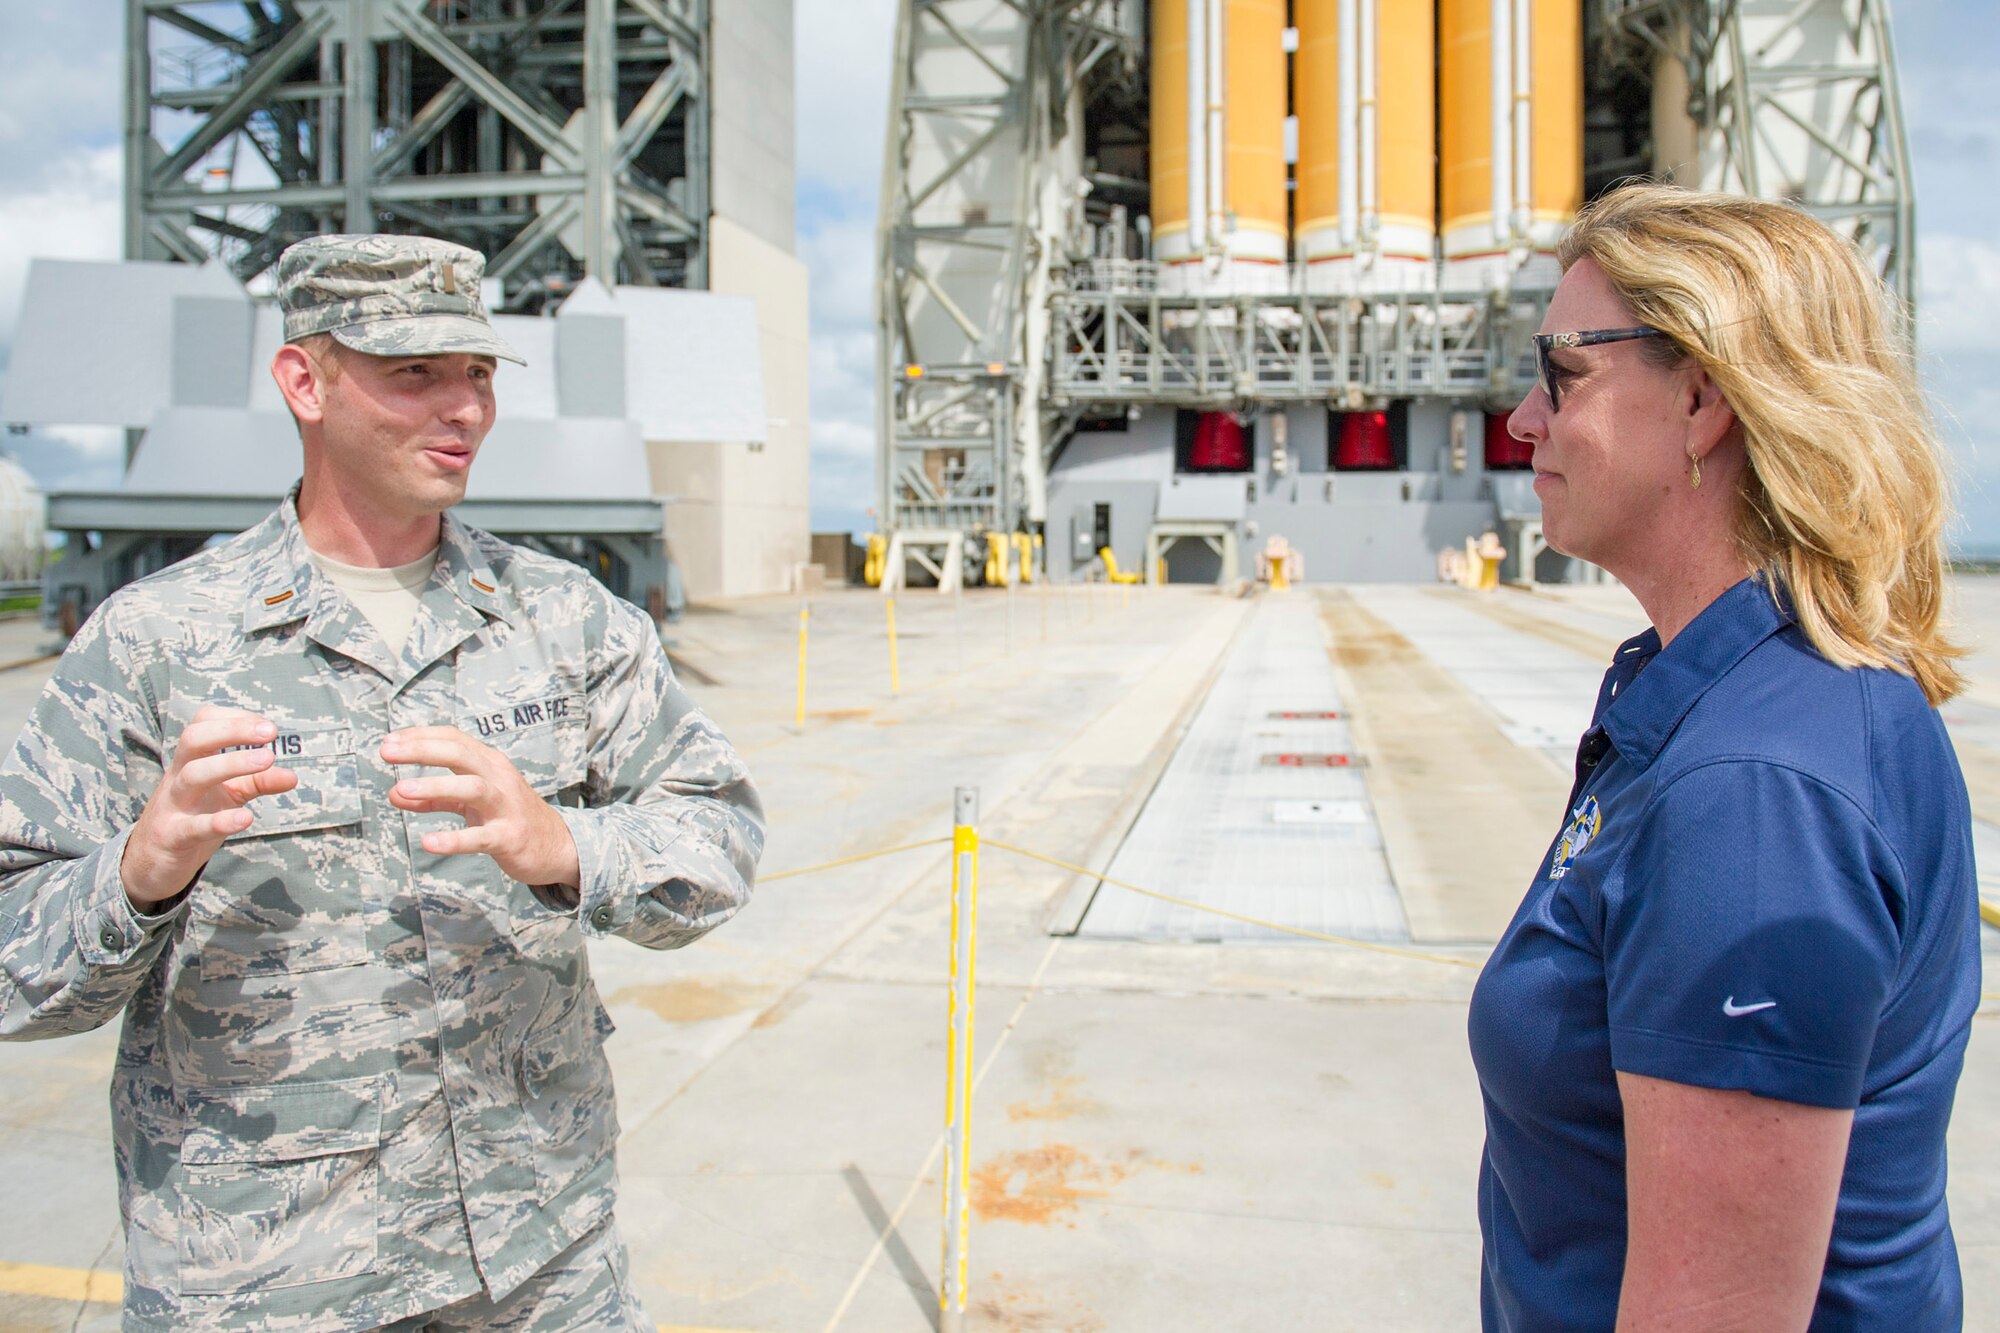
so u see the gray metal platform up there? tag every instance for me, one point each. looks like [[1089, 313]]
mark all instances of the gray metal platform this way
[[1247, 819]]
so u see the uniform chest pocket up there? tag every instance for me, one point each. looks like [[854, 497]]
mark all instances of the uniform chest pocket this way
[[329, 792], [289, 893], [544, 740], [279, 1186]]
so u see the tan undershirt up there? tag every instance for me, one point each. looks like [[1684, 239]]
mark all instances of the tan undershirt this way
[[388, 597]]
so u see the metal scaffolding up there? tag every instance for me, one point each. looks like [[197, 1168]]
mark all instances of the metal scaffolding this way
[[1012, 301], [562, 138], [1787, 99], [979, 202], [1119, 339]]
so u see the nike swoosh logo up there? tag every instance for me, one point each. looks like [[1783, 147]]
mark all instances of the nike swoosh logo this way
[[1735, 1010]]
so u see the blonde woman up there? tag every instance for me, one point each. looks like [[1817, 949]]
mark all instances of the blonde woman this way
[[1718, 1043]]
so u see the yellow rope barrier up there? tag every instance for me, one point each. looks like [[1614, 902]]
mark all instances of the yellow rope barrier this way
[[1369, 945], [850, 860]]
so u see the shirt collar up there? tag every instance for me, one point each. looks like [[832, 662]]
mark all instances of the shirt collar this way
[[284, 583], [1650, 689], [462, 567]]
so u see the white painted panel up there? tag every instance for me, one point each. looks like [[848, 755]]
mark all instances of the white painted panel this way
[[94, 343], [693, 369]]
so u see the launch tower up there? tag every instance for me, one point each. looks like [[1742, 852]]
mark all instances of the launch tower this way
[[1172, 278]]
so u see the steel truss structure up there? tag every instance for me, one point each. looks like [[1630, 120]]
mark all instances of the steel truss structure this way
[[1010, 305], [979, 202], [562, 138], [1789, 99], [1119, 339]]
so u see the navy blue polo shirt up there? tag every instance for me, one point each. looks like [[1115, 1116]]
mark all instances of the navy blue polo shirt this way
[[1763, 881]]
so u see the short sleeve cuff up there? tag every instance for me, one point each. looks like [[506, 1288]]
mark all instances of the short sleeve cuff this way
[[1705, 1064]]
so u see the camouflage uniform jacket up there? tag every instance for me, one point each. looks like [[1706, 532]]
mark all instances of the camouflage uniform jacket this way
[[356, 1081]]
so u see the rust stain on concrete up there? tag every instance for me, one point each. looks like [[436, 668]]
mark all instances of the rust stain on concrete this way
[[695, 999], [1046, 1184], [1012, 1314], [1063, 1102], [1040, 1185]]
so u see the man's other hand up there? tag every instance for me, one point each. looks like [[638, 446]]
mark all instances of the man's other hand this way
[[221, 762], [504, 817]]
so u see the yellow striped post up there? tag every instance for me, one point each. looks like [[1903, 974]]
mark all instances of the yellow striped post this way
[[805, 616], [895, 673], [958, 1060]]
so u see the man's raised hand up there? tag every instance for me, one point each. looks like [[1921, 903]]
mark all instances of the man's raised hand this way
[[220, 763], [505, 818]]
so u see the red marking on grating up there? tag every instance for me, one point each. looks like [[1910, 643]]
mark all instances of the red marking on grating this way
[[1307, 716], [1306, 761]]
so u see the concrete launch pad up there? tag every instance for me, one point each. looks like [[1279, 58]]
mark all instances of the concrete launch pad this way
[[1168, 1133]]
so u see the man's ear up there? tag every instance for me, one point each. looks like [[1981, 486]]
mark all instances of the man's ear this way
[[302, 383]]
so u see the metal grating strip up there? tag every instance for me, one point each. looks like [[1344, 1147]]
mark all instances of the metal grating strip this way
[[1292, 843]]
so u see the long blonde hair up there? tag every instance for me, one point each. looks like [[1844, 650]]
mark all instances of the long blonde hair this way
[[1845, 499]]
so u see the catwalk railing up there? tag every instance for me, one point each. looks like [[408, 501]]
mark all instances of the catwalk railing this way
[[1129, 331]]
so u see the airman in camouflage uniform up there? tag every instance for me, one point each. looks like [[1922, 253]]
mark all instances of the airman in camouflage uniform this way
[[341, 893]]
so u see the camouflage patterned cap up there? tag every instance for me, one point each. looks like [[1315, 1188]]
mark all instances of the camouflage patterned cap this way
[[388, 296]]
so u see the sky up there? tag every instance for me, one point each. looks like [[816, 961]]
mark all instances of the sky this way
[[59, 196]]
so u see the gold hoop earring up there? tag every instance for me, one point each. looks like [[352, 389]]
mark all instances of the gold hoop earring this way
[[1696, 460]]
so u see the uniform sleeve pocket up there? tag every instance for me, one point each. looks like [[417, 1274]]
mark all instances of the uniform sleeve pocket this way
[[279, 1185]]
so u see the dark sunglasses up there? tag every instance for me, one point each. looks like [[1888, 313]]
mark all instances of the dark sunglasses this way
[[1547, 342]]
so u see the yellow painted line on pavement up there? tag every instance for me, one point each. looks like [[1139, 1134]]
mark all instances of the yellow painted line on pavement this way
[[61, 1284], [1989, 911], [86, 1284]]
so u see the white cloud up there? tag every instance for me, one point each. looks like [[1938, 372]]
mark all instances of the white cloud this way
[[1960, 280], [839, 248], [843, 439], [72, 213], [845, 49], [844, 54], [1958, 341], [61, 72], [64, 458]]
